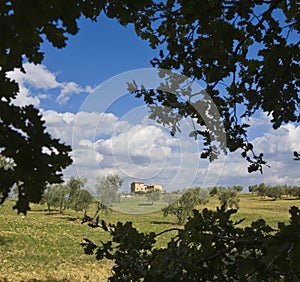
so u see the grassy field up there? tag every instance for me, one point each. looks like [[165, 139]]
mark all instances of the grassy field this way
[[140, 205], [46, 247]]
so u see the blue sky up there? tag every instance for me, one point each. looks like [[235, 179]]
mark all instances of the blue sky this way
[[98, 52], [109, 130]]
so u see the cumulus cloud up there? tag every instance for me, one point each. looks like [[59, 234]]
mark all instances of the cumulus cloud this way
[[24, 98], [139, 152], [283, 140], [70, 88], [259, 120], [277, 147], [39, 78], [137, 141], [103, 143], [72, 128]]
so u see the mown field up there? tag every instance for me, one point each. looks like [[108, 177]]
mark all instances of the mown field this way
[[45, 246]]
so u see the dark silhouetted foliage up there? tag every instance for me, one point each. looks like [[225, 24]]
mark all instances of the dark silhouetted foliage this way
[[210, 247]]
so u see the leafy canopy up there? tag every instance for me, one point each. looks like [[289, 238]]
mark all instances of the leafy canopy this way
[[245, 53]]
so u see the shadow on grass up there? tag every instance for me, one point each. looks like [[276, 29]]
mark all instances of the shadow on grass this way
[[72, 218], [59, 215], [146, 204], [53, 213], [163, 222], [39, 210], [38, 280], [268, 199], [4, 241]]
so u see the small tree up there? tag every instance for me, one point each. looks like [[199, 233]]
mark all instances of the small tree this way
[[253, 188], [262, 190], [213, 191], [107, 189], [171, 197], [75, 184], [183, 207], [47, 197], [275, 192], [56, 195], [238, 188], [83, 201], [295, 191], [228, 197], [61, 195], [153, 196]]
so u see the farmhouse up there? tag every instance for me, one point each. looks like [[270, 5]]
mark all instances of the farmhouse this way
[[140, 187]]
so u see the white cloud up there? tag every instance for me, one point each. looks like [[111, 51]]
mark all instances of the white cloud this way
[[73, 128], [59, 125], [37, 78], [24, 98], [96, 123], [138, 151], [283, 140], [103, 144], [44, 96], [277, 147], [137, 141], [70, 88], [258, 121]]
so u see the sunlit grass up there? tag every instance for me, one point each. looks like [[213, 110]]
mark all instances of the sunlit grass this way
[[47, 247], [252, 207], [139, 204], [44, 246]]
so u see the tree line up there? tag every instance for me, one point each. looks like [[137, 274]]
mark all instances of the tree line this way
[[67, 196], [180, 203], [191, 198], [72, 194], [275, 192]]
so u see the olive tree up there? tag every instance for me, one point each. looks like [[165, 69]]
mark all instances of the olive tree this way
[[56, 195], [75, 185], [153, 196], [183, 207], [107, 188], [228, 197]]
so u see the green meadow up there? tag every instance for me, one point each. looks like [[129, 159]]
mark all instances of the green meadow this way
[[45, 246]]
